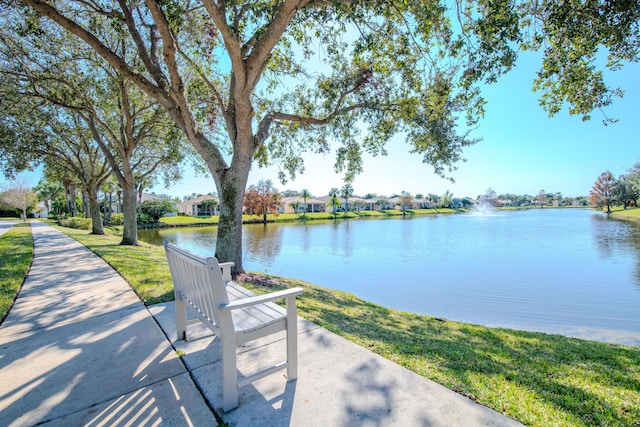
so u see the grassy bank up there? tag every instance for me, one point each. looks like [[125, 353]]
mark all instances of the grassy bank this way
[[632, 214], [536, 378], [16, 254]]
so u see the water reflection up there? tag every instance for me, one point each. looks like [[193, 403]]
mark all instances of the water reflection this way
[[262, 243], [616, 237]]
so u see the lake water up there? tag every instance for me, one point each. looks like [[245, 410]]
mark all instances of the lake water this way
[[568, 271]]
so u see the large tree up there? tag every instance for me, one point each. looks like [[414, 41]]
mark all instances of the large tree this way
[[64, 144], [72, 149], [625, 192], [268, 79], [132, 131]]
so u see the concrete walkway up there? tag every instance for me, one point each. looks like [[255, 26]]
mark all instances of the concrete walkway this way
[[78, 348]]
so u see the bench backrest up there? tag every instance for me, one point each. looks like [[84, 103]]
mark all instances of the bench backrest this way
[[198, 280]]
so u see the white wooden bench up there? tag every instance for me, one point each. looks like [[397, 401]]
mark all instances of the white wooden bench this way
[[233, 313]]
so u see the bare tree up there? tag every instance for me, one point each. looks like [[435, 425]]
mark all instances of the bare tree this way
[[261, 199], [601, 195], [406, 201], [542, 198], [19, 195]]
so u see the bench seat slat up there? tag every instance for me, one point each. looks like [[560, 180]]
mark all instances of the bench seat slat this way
[[253, 318]]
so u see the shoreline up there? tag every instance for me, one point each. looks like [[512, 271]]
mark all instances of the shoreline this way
[[190, 221]]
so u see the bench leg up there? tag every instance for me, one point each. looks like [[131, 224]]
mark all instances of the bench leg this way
[[181, 318], [292, 339], [229, 375]]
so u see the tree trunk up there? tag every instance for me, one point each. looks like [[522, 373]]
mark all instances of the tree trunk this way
[[72, 200], [110, 207], [67, 196], [94, 209], [229, 239], [130, 227], [104, 210], [232, 183], [86, 204]]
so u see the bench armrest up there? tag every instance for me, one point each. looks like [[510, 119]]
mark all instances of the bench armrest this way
[[259, 299], [225, 268]]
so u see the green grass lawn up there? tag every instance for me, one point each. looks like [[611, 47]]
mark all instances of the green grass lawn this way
[[536, 378], [16, 254], [629, 213], [188, 220]]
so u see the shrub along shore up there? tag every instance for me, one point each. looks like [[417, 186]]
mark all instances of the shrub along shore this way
[[538, 379]]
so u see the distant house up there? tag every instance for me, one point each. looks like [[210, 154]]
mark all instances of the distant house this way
[[116, 205], [200, 206], [40, 211], [379, 204], [424, 204], [146, 196], [321, 204], [312, 205]]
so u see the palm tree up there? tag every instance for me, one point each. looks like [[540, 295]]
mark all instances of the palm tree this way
[[434, 198], [447, 199], [48, 191], [382, 203], [209, 206], [333, 201], [346, 192], [305, 194]]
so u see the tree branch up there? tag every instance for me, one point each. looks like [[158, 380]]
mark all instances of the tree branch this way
[[210, 85], [111, 57], [264, 45], [278, 117], [149, 60]]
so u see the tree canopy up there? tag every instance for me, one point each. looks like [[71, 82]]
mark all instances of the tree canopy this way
[[52, 83], [268, 80]]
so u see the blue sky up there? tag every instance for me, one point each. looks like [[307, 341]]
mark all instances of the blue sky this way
[[523, 150]]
